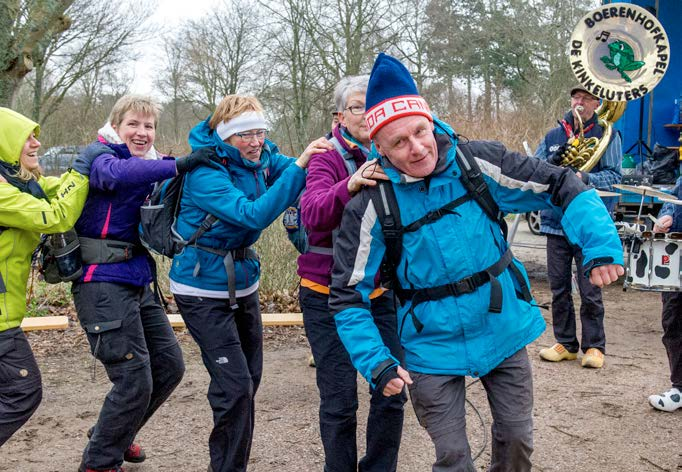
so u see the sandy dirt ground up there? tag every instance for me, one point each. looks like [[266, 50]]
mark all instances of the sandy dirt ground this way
[[585, 420]]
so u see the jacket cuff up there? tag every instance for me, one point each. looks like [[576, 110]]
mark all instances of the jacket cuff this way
[[382, 369], [596, 262]]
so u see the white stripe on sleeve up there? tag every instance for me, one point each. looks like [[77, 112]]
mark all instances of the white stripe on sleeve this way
[[369, 218], [495, 173]]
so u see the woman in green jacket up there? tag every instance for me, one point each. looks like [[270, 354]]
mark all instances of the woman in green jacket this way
[[30, 204]]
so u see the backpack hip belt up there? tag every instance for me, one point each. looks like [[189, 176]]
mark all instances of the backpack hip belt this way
[[108, 251], [466, 285], [229, 256]]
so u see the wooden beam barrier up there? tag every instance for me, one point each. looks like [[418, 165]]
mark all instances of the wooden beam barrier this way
[[269, 319], [62, 322], [45, 322]]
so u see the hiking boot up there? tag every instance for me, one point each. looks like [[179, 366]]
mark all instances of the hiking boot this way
[[134, 454], [82, 468], [557, 353], [667, 401], [593, 358]]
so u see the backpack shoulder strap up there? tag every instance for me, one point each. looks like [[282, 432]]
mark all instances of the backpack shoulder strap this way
[[473, 181], [386, 205], [205, 225], [348, 158]]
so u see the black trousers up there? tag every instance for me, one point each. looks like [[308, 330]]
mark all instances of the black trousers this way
[[231, 343], [129, 333], [20, 384], [337, 383], [672, 334], [560, 257]]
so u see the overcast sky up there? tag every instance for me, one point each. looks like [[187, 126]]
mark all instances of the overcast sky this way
[[169, 14]]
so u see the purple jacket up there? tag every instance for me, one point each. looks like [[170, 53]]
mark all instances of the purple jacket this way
[[119, 185], [322, 205]]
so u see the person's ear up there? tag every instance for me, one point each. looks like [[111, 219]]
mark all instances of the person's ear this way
[[342, 118], [377, 146]]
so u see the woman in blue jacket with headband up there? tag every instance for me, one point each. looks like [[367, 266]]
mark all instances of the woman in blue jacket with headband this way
[[215, 282]]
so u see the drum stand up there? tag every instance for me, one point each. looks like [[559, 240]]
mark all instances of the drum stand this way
[[632, 243], [640, 143]]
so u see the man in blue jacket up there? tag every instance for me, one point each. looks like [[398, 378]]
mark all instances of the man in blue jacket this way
[[469, 311], [561, 252]]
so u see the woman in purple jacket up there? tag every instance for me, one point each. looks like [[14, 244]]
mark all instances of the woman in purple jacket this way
[[333, 178], [126, 327]]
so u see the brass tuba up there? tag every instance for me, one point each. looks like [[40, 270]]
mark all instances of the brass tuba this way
[[618, 52], [584, 153]]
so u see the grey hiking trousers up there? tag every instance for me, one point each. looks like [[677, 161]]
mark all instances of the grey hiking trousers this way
[[438, 402]]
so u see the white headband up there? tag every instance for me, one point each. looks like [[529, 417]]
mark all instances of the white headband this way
[[243, 122]]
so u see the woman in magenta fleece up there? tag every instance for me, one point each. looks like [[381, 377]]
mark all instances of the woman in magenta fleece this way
[[333, 178]]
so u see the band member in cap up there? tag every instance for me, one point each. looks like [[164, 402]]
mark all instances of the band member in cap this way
[[561, 252], [465, 305], [670, 220]]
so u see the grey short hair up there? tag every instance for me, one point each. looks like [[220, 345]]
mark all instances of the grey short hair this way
[[347, 86]]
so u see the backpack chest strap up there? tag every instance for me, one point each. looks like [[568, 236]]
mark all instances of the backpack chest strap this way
[[436, 215]]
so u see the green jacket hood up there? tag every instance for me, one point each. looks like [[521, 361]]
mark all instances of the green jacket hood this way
[[15, 129]]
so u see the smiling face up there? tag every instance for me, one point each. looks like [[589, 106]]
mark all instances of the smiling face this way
[[250, 143], [29, 154], [137, 131], [409, 144], [356, 122]]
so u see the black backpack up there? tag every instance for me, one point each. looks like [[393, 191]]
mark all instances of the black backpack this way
[[158, 216], [386, 205]]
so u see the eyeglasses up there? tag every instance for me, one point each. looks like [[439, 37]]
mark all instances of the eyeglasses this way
[[248, 136], [356, 109]]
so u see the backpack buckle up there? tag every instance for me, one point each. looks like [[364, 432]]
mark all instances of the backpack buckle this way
[[465, 285], [434, 215]]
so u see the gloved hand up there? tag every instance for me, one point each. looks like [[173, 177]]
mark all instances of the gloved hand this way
[[83, 162], [201, 157], [558, 155]]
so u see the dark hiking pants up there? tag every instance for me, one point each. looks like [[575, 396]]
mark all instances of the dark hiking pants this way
[[560, 257], [672, 334], [129, 333], [20, 385], [337, 383], [231, 343]]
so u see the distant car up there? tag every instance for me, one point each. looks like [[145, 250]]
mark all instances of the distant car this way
[[58, 159], [533, 219]]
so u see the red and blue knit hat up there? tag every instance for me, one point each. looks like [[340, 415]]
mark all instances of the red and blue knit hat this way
[[391, 94]]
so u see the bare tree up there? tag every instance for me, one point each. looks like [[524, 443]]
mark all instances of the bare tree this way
[[213, 56], [101, 36], [25, 27], [413, 33]]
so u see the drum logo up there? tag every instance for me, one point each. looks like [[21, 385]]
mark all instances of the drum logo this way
[[665, 260]]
